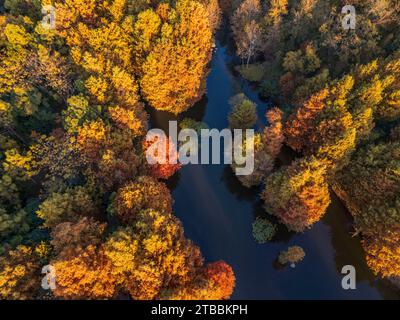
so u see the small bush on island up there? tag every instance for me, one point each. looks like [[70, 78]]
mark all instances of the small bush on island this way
[[293, 255], [189, 123], [253, 72], [263, 230]]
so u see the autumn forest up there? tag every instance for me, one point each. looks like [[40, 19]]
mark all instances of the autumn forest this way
[[78, 194]]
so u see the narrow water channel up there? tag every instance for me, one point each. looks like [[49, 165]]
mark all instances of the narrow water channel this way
[[217, 214]]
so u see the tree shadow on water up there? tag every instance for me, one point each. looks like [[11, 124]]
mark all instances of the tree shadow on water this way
[[160, 119], [235, 187], [348, 248]]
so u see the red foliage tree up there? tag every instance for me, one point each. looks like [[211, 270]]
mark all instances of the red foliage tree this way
[[164, 168], [273, 134]]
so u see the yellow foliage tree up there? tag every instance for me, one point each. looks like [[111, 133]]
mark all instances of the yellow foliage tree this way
[[87, 275], [18, 274], [175, 69], [143, 193]]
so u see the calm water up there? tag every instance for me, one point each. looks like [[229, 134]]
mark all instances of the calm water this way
[[217, 214]]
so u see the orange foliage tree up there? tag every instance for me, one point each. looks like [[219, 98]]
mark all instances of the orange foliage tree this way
[[84, 275], [273, 134], [383, 252], [153, 255], [82, 270], [163, 168], [175, 69], [299, 126], [214, 282], [298, 195], [323, 126], [220, 280]]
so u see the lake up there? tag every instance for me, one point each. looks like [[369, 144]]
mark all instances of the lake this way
[[217, 213]]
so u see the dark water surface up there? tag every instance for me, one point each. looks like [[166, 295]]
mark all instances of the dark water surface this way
[[217, 214]]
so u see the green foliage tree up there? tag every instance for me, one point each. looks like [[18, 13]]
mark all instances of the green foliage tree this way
[[374, 171], [263, 230], [243, 114], [66, 207]]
